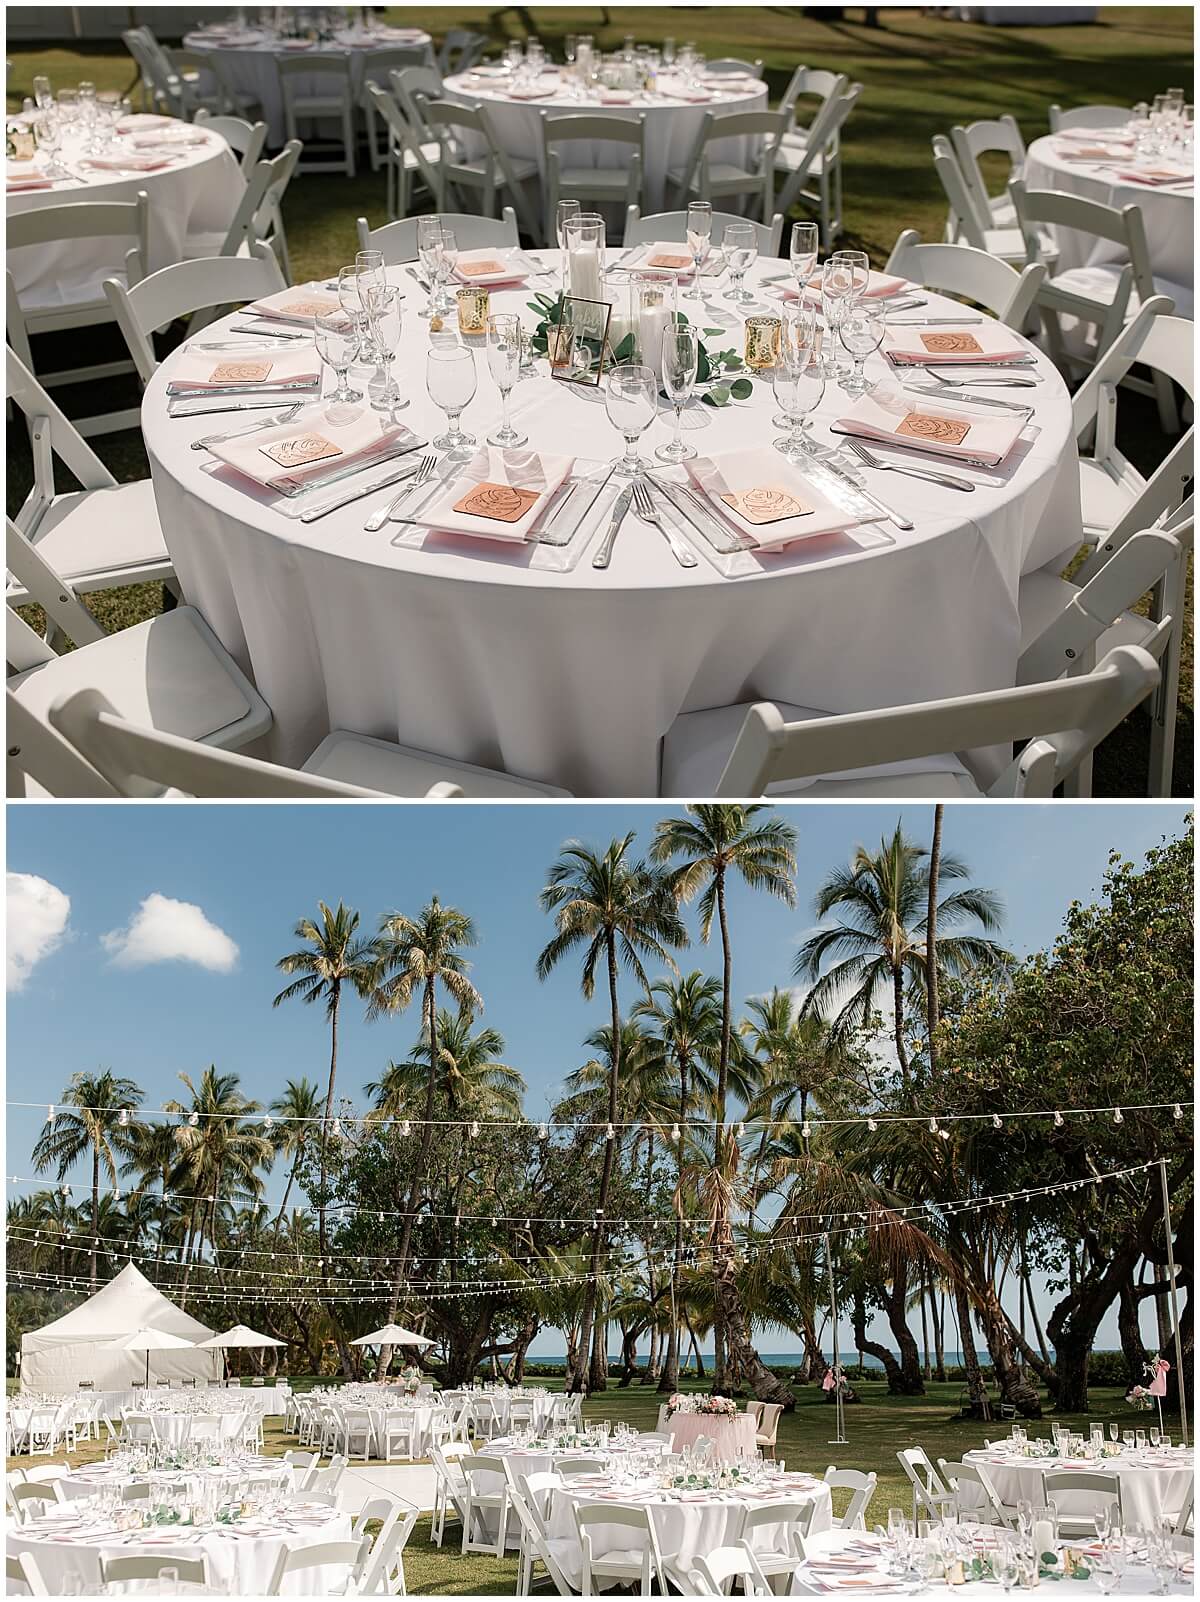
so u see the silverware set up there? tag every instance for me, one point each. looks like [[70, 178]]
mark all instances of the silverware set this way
[[419, 475], [948, 480], [643, 509], [284, 416]]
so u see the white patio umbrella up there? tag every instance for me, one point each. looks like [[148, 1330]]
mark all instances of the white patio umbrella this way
[[147, 1340], [392, 1335], [240, 1335]]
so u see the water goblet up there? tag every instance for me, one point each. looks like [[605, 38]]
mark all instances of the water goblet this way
[[631, 401], [1127, 1439], [43, 94], [740, 243], [861, 329], [1114, 1431], [857, 267], [1155, 1437], [798, 386], [337, 340], [699, 239], [680, 354], [351, 296], [504, 364], [450, 380], [802, 253], [1139, 1440]]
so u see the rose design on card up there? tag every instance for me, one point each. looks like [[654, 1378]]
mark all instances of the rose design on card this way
[[240, 372], [952, 344], [301, 450], [475, 269], [311, 308], [942, 430], [674, 262], [502, 503], [766, 503]]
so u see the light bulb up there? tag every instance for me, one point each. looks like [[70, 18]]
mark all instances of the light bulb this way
[[337, 1129], [674, 1131], [609, 1132], [123, 1120], [872, 1125], [933, 1126], [50, 1116], [1118, 1117], [268, 1123], [404, 1127], [997, 1121], [194, 1119], [474, 1129], [1058, 1120], [1178, 1110], [805, 1130], [543, 1131]]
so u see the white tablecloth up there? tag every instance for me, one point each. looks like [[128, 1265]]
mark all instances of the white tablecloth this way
[[98, 1477], [250, 66], [1151, 1482], [691, 1527], [265, 1399], [240, 1561], [1168, 215], [671, 129], [197, 193], [482, 652]]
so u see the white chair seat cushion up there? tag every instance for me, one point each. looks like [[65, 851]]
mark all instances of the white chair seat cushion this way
[[1102, 500], [402, 770], [610, 179], [76, 292], [521, 168], [1099, 282], [90, 534], [1043, 596], [170, 673], [720, 172], [790, 155], [698, 744], [627, 1559], [432, 154]]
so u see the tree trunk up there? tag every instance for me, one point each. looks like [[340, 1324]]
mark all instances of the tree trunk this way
[[95, 1216], [1162, 1312], [966, 1336], [420, 1170], [1129, 1330], [926, 1371], [669, 1383], [931, 972], [335, 1001], [939, 1338], [898, 1007], [720, 1276], [695, 1348], [287, 1191], [588, 1329], [891, 1368]]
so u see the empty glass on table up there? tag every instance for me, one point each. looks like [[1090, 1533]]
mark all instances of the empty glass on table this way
[[504, 364], [861, 330], [740, 243], [680, 354], [799, 383], [337, 340], [699, 239], [631, 401], [802, 253], [450, 380]]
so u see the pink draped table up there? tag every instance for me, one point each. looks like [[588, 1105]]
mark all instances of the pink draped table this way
[[731, 1437]]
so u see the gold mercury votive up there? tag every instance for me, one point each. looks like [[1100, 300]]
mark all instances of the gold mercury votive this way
[[472, 310], [763, 336]]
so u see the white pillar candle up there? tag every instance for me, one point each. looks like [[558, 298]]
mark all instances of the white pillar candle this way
[[585, 272], [651, 328], [1043, 1538]]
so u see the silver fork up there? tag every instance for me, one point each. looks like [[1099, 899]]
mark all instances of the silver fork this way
[[643, 508], [947, 479], [284, 416], [965, 383], [419, 475]]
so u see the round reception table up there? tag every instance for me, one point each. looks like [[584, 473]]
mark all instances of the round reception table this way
[[528, 658], [1152, 1482]]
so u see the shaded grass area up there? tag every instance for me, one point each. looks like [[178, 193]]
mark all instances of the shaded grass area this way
[[921, 75], [877, 1427]]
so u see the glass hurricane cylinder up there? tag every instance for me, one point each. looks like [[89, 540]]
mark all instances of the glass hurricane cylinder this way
[[583, 239], [653, 306]]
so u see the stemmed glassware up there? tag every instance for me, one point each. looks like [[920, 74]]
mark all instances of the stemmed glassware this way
[[336, 338], [429, 250], [740, 244], [450, 380], [836, 286], [351, 290], [631, 401], [861, 330], [699, 238], [387, 320], [799, 383], [504, 364], [802, 253], [680, 354], [447, 260]]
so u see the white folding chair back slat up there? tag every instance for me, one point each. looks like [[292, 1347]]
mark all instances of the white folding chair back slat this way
[[408, 153], [1088, 117], [670, 227], [310, 1560], [863, 1488], [705, 176], [487, 174], [639, 1563], [713, 1573], [817, 158], [963, 270], [982, 1505], [398, 240]]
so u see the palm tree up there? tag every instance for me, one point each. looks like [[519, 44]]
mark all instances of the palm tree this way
[[95, 1117], [471, 1077], [796, 1059], [715, 843], [415, 956], [881, 940], [684, 1019], [335, 955], [931, 967], [618, 911], [297, 1110]]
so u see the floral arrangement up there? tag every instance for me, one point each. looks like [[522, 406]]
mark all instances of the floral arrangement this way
[[715, 1479], [1143, 1397], [708, 1406]]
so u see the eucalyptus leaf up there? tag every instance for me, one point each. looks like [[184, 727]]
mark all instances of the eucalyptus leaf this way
[[741, 388], [719, 396]]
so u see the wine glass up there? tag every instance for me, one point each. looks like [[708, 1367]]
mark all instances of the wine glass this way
[[802, 253], [350, 290], [857, 268], [1114, 1431], [799, 383], [43, 94], [336, 337], [631, 402], [741, 252], [563, 212], [429, 249], [450, 380], [836, 286], [387, 321], [447, 260], [699, 238], [861, 331], [680, 354], [504, 363], [1155, 1437]]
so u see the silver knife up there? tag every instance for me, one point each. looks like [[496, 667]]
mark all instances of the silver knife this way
[[933, 322], [872, 500], [285, 416], [604, 554], [291, 486], [203, 391], [924, 450], [975, 400], [739, 541], [355, 494], [412, 273], [252, 403], [272, 332]]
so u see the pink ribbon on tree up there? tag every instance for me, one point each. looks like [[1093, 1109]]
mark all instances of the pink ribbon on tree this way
[[1158, 1385]]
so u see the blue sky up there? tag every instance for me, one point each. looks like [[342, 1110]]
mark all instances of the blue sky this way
[[201, 881]]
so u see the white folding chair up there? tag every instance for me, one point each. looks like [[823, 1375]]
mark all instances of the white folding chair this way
[[812, 154], [149, 1566], [1103, 1491], [329, 1478], [1184, 1517], [713, 1573], [383, 1572], [358, 1433], [313, 1561], [29, 1499], [185, 289], [990, 136], [981, 1505], [778, 1552], [407, 155], [486, 175], [567, 141], [450, 1489], [317, 87], [82, 305], [709, 176], [484, 1495], [734, 67], [670, 227], [460, 49], [558, 1555], [22, 1569], [637, 1561], [398, 240], [395, 1430], [161, 88], [930, 1495], [407, 83], [1088, 117], [971, 274], [963, 224], [376, 66], [863, 1488], [101, 536], [259, 214]]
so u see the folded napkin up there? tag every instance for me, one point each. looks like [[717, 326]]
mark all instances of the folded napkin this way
[[139, 120], [534, 91], [1164, 174], [1094, 152], [949, 431], [300, 304], [617, 97], [197, 369], [773, 486], [664, 256], [168, 138], [692, 93], [133, 162], [320, 440], [880, 286], [978, 342], [18, 176], [482, 269], [487, 483], [1113, 135]]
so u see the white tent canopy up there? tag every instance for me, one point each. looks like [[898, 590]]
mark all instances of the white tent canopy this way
[[148, 1340], [239, 1335], [392, 1335], [80, 1344]]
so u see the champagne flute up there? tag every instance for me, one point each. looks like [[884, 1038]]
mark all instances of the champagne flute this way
[[387, 316], [43, 94], [450, 380], [429, 249], [861, 331], [447, 260], [336, 337], [836, 284], [802, 253], [504, 363], [699, 238], [350, 290], [680, 354], [563, 212], [631, 402], [741, 252]]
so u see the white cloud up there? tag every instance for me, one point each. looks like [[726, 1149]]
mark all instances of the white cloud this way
[[163, 930], [37, 921]]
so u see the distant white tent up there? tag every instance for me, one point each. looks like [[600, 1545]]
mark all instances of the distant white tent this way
[[79, 1345]]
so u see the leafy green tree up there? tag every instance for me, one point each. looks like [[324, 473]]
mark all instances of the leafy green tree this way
[[297, 1110]]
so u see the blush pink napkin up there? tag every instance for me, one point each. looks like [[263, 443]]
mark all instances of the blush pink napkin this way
[[878, 417]]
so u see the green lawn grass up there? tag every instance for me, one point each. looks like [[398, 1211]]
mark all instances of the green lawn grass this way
[[877, 1427], [920, 74]]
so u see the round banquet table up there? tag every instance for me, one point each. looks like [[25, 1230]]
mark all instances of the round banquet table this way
[[1152, 1482], [688, 1524], [497, 655], [248, 60], [175, 1428], [672, 123], [266, 1399], [1167, 213], [731, 1437], [70, 1542], [195, 193], [96, 1478]]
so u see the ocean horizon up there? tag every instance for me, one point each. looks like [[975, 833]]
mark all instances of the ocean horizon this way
[[771, 1359]]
